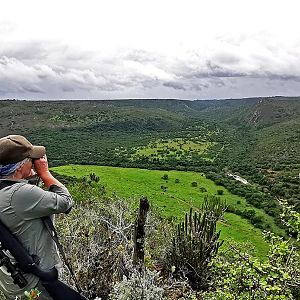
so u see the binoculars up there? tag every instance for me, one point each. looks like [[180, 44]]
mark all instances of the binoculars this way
[[14, 271]]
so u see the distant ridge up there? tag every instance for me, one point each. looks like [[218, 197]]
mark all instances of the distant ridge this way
[[278, 97]]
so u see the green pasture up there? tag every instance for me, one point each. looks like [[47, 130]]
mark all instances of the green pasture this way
[[174, 199], [173, 147]]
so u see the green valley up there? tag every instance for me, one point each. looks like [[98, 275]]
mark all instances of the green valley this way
[[173, 193], [256, 139], [181, 155]]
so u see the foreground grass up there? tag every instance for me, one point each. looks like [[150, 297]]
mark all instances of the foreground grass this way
[[174, 199]]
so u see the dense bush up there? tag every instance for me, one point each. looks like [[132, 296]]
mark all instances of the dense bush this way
[[238, 275]]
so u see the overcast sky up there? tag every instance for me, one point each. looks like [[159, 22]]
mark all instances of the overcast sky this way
[[107, 49]]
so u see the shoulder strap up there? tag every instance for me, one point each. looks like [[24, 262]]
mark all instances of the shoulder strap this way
[[6, 183], [51, 229], [25, 261], [34, 180]]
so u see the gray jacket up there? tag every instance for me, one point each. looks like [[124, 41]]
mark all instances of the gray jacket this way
[[21, 207]]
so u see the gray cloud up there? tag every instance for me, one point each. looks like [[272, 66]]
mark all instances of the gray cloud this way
[[24, 50], [175, 85], [33, 89], [142, 56], [198, 86], [285, 77], [54, 69]]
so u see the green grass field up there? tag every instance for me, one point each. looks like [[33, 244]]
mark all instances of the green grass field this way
[[176, 144], [177, 147], [174, 199]]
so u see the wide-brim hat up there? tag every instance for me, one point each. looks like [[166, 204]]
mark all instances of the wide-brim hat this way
[[15, 148]]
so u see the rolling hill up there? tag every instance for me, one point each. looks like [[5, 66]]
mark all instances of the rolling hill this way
[[255, 138]]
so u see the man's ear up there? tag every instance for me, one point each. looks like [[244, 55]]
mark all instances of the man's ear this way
[[18, 173]]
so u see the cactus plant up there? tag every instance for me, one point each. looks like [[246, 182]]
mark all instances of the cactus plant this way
[[196, 243]]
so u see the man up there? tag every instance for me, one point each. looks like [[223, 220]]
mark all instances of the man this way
[[22, 206]]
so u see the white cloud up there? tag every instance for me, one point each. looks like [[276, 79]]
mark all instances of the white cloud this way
[[139, 48]]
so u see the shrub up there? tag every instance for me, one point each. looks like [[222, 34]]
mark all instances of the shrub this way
[[194, 184], [165, 177], [96, 234], [138, 286], [220, 192], [164, 188], [238, 275], [94, 177]]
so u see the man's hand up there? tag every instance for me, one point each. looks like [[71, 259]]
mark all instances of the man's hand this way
[[41, 168]]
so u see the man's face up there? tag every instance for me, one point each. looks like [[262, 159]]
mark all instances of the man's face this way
[[27, 169]]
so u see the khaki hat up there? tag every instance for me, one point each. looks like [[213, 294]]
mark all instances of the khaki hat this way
[[15, 148]]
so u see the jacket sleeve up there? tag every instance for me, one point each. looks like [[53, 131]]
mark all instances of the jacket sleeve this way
[[31, 202]]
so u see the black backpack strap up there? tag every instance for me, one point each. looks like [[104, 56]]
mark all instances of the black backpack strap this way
[[25, 261], [51, 229], [5, 183], [34, 180]]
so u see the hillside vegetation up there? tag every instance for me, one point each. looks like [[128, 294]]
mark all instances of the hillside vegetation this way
[[182, 155], [256, 138]]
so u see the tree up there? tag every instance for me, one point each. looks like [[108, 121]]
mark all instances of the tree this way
[[202, 189]]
